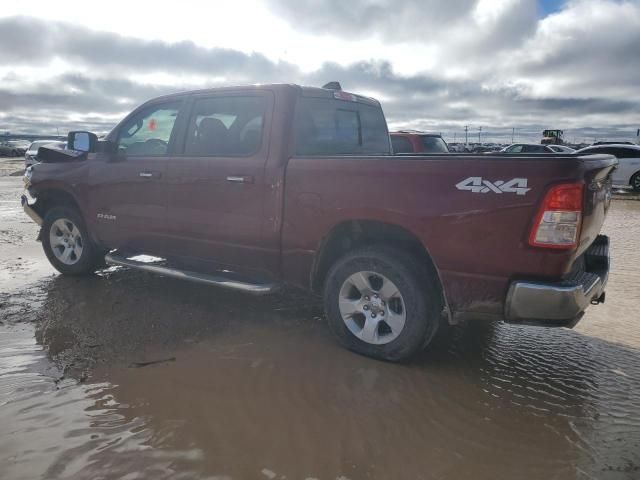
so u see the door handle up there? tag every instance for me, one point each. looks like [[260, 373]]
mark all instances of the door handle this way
[[240, 179], [150, 174]]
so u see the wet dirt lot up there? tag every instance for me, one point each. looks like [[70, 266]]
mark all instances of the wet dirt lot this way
[[128, 375]]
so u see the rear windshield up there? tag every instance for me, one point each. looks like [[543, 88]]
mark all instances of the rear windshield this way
[[401, 144], [434, 145], [336, 127]]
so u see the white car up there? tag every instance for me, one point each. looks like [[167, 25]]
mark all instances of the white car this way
[[528, 148], [561, 149], [628, 172], [31, 155]]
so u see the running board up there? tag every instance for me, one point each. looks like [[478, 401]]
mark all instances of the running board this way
[[218, 280]]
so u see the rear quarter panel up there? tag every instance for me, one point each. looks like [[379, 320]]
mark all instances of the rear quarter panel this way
[[478, 241]]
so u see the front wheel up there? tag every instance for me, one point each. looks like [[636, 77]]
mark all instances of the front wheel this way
[[635, 182], [66, 242], [381, 303]]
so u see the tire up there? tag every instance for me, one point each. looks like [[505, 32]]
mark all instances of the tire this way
[[413, 311], [635, 182], [64, 231]]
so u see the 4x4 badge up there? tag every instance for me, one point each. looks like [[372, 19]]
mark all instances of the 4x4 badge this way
[[479, 185]]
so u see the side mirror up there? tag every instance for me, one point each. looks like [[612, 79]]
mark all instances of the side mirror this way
[[82, 141]]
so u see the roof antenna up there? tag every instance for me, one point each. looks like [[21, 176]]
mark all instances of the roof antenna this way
[[332, 86]]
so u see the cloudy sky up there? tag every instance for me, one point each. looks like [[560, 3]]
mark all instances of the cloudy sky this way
[[434, 65]]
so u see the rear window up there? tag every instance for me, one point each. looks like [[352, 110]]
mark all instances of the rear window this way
[[336, 127], [226, 126], [434, 145], [533, 149], [401, 144]]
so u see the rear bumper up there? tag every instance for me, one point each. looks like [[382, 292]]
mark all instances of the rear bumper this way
[[561, 303]]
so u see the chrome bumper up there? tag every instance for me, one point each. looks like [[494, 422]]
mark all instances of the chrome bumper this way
[[561, 303], [26, 205]]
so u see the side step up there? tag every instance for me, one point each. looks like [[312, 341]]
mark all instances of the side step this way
[[114, 258]]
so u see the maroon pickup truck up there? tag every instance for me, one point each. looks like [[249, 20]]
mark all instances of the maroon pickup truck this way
[[254, 187]]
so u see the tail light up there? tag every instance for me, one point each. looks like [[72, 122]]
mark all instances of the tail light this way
[[558, 221]]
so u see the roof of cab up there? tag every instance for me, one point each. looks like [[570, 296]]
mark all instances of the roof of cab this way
[[304, 91]]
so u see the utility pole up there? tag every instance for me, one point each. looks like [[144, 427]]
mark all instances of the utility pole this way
[[466, 135], [454, 137], [513, 132], [479, 133]]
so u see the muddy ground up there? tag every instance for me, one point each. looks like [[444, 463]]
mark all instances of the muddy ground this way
[[129, 375]]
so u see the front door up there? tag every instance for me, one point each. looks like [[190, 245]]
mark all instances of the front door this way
[[217, 188], [127, 187]]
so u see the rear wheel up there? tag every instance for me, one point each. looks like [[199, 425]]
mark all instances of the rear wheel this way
[[67, 244], [381, 303], [635, 182]]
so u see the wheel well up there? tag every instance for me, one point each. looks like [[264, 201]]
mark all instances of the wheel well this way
[[360, 233], [54, 198]]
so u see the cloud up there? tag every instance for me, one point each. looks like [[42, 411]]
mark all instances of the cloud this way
[[464, 28], [29, 40], [500, 66], [590, 45]]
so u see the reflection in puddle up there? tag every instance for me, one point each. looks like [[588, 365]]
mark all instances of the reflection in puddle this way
[[57, 428], [499, 403]]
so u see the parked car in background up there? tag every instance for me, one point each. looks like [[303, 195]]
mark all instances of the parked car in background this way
[[31, 155], [628, 172], [528, 148], [484, 149], [562, 149], [613, 143], [414, 141], [457, 147], [13, 148]]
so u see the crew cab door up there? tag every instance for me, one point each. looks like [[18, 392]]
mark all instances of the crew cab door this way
[[127, 187], [216, 186]]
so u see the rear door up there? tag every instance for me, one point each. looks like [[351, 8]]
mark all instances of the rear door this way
[[216, 185], [127, 191]]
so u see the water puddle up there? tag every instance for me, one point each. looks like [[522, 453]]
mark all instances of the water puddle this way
[[127, 375]]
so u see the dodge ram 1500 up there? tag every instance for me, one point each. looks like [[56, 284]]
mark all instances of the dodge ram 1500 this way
[[254, 187]]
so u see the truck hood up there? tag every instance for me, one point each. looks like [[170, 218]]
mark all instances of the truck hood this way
[[58, 155]]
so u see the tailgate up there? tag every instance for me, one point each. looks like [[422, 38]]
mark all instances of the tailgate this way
[[596, 171]]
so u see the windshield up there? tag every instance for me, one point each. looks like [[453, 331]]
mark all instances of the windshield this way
[[433, 144]]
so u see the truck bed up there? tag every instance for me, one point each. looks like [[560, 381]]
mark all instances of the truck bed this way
[[476, 236]]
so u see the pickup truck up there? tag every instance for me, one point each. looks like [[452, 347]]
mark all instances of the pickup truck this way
[[251, 188]]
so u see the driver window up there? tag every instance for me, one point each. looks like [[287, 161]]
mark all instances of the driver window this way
[[515, 149], [149, 131]]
